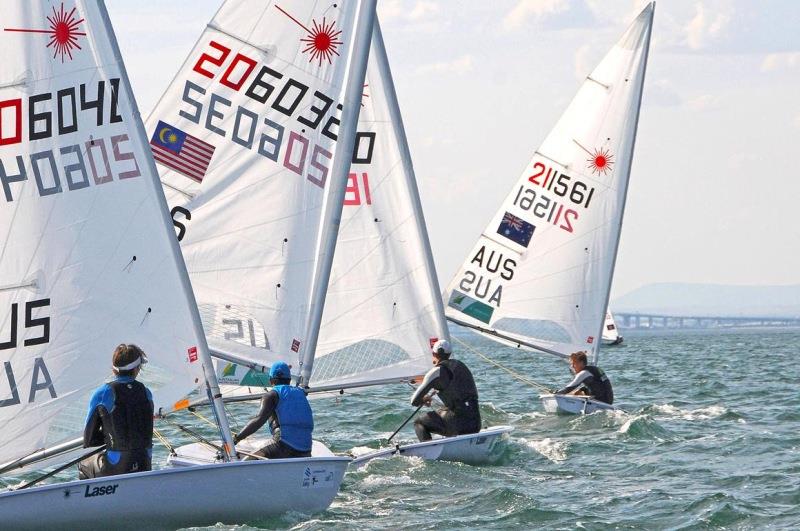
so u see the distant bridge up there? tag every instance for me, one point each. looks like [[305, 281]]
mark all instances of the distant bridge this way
[[654, 320]]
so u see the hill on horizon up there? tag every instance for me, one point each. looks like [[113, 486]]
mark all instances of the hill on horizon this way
[[677, 298]]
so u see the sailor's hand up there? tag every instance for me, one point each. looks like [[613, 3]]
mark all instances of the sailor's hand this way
[[427, 400]]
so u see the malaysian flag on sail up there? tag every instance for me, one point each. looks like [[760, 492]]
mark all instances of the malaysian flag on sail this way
[[180, 151], [516, 229]]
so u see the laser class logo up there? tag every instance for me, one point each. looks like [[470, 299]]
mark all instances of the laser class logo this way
[[321, 41], [600, 161], [64, 31]]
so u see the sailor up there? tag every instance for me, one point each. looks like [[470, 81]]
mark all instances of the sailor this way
[[589, 380], [456, 389], [289, 414], [121, 416]]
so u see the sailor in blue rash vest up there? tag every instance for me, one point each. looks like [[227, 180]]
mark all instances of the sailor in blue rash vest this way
[[289, 414], [456, 388], [121, 416], [589, 380]]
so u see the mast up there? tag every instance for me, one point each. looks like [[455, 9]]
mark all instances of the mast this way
[[596, 348], [410, 176], [343, 155], [212, 386]]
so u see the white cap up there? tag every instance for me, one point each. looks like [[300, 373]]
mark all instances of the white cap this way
[[442, 344]]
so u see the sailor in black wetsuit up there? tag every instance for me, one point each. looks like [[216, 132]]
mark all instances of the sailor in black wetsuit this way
[[121, 416], [456, 388], [588, 380], [289, 414]]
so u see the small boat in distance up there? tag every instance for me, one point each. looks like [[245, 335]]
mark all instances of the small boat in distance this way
[[611, 335]]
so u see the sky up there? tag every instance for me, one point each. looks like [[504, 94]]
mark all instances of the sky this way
[[715, 185]]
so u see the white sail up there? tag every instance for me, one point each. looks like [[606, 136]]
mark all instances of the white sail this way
[[540, 273], [87, 255], [610, 330], [248, 140], [384, 307]]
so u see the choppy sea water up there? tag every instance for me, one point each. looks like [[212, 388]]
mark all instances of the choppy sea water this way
[[710, 439]]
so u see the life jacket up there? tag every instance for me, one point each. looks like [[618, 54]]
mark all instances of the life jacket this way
[[599, 385], [129, 424], [461, 396], [293, 421]]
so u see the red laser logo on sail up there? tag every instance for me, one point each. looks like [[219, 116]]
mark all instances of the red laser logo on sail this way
[[321, 42], [63, 32], [601, 161]]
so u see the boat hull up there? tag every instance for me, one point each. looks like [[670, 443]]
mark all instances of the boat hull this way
[[611, 342], [483, 448], [195, 454], [231, 493], [573, 404]]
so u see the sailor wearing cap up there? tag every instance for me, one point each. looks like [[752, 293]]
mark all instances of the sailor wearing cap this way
[[289, 414], [121, 416], [456, 389]]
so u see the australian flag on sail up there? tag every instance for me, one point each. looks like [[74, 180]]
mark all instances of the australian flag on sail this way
[[516, 229], [180, 151]]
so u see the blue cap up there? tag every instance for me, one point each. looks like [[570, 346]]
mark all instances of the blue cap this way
[[280, 371]]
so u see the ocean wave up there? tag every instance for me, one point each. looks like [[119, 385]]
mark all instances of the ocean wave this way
[[551, 449], [643, 426], [702, 413]]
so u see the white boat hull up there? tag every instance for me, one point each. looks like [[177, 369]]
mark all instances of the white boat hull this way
[[200, 454], [611, 342], [231, 493], [573, 404], [483, 448]]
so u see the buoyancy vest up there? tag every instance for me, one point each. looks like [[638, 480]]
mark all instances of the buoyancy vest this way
[[599, 385], [461, 396], [129, 424], [293, 421]]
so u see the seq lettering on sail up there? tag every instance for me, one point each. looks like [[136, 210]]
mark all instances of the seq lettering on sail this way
[[383, 305], [245, 139], [541, 270], [87, 259]]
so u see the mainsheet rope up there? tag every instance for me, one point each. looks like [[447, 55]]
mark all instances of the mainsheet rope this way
[[164, 441], [513, 373]]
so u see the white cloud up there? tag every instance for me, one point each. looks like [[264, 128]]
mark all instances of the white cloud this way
[[399, 10], [661, 93], [460, 65], [525, 9], [706, 25], [779, 61], [390, 10], [583, 58], [423, 9], [702, 103]]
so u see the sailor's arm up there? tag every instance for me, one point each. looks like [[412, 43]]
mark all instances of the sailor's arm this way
[[575, 383], [432, 378], [92, 431], [268, 405]]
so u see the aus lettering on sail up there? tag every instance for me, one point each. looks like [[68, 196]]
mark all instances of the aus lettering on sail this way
[[28, 327], [547, 205]]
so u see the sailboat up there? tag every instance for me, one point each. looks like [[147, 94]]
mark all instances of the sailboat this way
[[89, 258], [611, 335], [383, 308], [539, 277]]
